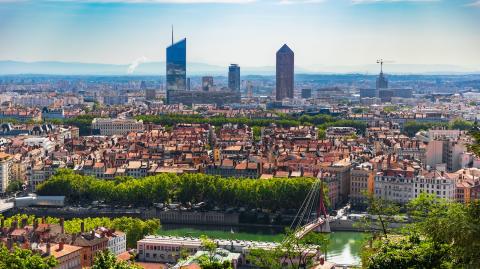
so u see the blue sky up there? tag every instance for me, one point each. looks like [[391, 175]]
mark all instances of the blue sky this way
[[248, 32]]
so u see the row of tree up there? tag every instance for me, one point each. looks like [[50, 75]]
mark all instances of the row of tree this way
[[412, 127], [270, 194], [135, 228], [321, 121]]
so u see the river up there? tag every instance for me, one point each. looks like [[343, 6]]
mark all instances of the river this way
[[344, 247]]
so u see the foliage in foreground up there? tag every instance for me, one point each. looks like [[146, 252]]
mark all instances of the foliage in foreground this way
[[135, 228], [24, 259], [278, 193], [107, 260], [444, 235]]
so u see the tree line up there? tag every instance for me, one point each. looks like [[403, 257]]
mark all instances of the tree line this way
[[321, 121], [269, 194]]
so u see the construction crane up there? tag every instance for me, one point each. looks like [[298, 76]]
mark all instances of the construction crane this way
[[381, 62]]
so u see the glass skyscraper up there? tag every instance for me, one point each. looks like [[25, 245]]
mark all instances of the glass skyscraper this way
[[177, 66], [234, 77]]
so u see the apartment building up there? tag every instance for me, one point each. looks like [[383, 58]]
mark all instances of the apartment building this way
[[5, 174], [107, 126]]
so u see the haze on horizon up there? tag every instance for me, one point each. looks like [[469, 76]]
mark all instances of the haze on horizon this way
[[248, 32]]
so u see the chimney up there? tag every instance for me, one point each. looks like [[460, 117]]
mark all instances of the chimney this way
[[9, 243], [62, 226], [60, 245], [82, 227]]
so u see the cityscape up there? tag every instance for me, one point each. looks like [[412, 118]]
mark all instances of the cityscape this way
[[231, 144]]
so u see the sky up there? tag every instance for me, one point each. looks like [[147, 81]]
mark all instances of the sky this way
[[247, 32]]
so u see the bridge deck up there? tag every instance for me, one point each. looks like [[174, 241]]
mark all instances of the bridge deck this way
[[309, 227]]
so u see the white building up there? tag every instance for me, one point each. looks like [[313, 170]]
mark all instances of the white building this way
[[5, 164], [395, 185], [117, 240], [438, 183], [116, 126]]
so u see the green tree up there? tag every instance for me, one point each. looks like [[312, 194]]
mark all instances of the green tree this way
[[381, 213], [292, 253], [107, 260], [14, 186], [24, 259]]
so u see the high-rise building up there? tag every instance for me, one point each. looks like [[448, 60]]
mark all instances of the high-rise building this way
[[150, 94], [382, 82], [306, 93], [285, 71], [207, 83], [188, 84], [177, 66], [234, 77]]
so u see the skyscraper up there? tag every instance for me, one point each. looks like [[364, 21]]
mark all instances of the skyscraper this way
[[382, 82], [285, 71], [234, 77], [177, 66], [207, 83]]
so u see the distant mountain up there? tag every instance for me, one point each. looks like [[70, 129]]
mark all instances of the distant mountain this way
[[195, 69]]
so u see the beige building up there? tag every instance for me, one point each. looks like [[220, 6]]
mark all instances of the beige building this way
[[104, 126]]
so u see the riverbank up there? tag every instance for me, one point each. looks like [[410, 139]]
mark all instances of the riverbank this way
[[344, 246]]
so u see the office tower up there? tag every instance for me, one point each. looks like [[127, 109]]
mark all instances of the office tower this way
[[207, 83], [188, 84], [382, 82], [150, 94], [234, 77], [306, 93], [249, 89], [143, 85], [177, 65], [285, 71], [368, 93]]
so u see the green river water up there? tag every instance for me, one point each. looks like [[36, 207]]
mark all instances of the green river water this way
[[344, 247]]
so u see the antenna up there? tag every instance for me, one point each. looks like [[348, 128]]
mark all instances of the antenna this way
[[381, 65], [381, 62], [172, 34]]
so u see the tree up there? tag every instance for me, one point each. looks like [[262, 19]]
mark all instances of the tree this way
[[381, 213], [210, 261], [107, 260], [14, 186], [292, 253], [24, 259], [406, 253], [444, 234]]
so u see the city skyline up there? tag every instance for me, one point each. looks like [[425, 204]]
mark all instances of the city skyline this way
[[322, 33]]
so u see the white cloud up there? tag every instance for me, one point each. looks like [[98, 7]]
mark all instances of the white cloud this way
[[135, 64]]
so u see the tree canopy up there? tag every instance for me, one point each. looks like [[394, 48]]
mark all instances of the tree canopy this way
[[272, 194]]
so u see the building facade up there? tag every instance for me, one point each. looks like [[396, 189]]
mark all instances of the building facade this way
[[177, 66], [284, 73], [105, 126], [234, 77]]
